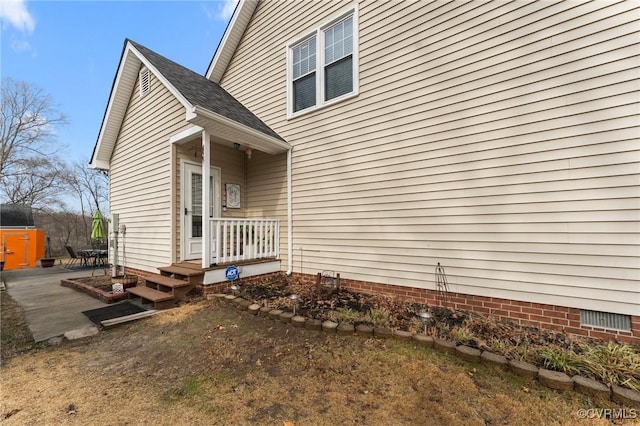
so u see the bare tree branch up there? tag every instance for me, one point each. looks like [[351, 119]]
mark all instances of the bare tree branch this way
[[28, 121]]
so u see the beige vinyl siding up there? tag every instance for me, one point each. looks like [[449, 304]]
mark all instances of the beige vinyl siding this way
[[140, 175], [267, 193], [499, 139]]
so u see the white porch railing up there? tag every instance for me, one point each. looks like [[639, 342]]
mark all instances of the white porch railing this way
[[244, 239]]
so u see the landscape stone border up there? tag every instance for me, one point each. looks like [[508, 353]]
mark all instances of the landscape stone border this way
[[97, 292], [552, 379]]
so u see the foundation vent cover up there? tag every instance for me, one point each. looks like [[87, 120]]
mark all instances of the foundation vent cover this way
[[605, 320]]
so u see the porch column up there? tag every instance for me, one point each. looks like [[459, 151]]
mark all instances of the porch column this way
[[206, 199]]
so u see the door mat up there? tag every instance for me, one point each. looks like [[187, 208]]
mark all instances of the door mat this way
[[112, 311]]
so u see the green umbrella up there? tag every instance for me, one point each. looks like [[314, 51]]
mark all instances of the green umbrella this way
[[97, 233]]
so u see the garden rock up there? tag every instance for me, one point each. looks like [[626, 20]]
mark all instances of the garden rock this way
[[298, 321], [524, 369], [591, 387], [403, 335], [275, 314], [81, 333], [364, 330], [286, 316], [555, 379], [423, 340], [329, 326], [313, 324], [382, 332], [468, 353], [491, 359], [245, 303], [447, 346], [215, 296], [346, 328], [254, 308], [625, 396]]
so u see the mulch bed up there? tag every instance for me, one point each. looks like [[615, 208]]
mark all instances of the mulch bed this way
[[98, 286], [513, 341]]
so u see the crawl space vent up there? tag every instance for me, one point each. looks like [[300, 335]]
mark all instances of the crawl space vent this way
[[605, 320], [144, 81]]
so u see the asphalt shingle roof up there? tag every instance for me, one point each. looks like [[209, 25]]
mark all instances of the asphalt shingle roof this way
[[200, 91]]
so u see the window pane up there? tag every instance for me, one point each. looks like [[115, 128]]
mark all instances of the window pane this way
[[338, 41], [304, 58], [304, 92], [196, 205], [338, 78]]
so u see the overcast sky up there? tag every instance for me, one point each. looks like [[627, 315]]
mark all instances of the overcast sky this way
[[71, 49]]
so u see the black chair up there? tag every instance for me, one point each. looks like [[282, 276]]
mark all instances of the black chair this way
[[76, 257]]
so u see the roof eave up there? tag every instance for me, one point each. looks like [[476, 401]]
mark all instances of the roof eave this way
[[230, 39], [121, 90], [98, 154], [249, 136]]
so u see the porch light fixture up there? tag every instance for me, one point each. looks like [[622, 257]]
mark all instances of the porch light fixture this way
[[249, 151], [236, 145], [425, 317]]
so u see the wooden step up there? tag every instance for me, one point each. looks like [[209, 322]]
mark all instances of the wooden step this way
[[150, 294], [193, 276], [179, 270], [166, 281]]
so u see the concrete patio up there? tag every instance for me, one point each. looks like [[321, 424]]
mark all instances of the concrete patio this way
[[50, 309]]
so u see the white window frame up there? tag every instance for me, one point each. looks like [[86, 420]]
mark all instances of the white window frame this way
[[318, 32]]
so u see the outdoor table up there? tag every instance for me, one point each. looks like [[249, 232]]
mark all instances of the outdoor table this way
[[98, 257]]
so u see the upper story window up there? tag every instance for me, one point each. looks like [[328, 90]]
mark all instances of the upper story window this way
[[322, 66]]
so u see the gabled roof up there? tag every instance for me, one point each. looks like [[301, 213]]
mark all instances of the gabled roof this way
[[230, 39], [206, 104]]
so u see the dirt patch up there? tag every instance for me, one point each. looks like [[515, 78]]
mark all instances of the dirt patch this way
[[207, 363]]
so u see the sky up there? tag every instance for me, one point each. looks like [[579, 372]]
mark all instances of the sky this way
[[71, 50]]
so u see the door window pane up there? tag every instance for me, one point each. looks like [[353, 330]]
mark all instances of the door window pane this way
[[196, 204]]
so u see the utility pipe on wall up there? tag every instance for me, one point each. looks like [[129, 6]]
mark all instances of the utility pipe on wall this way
[[289, 216]]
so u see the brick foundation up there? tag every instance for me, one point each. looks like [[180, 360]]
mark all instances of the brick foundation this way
[[559, 318]]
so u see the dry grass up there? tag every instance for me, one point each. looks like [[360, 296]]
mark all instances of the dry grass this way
[[16, 337], [204, 363]]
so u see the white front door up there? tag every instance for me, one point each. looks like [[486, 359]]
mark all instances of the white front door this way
[[192, 222]]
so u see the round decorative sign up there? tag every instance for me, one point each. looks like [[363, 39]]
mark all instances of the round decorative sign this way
[[232, 273]]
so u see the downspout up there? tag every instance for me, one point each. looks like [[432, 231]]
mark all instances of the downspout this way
[[289, 216]]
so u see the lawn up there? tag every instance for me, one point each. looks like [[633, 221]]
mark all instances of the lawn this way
[[207, 363]]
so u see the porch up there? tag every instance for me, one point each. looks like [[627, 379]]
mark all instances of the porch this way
[[224, 200]]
